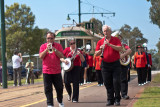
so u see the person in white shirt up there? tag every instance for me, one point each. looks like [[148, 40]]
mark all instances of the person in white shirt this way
[[17, 59]]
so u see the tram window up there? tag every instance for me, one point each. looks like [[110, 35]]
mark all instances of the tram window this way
[[62, 42], [79, 43]]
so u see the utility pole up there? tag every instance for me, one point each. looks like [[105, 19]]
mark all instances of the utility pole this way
[[79, 7], [3, 43], [79, 13]]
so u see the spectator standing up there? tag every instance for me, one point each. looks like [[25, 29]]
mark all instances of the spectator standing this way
[[17, 59], [30, 75]]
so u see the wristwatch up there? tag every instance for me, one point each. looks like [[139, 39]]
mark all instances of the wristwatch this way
[[55, 50]]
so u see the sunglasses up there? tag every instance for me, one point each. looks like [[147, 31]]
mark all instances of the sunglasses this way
[[50, 38], [72, 43]]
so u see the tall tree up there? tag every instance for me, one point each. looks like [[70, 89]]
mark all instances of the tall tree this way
[[20, 31], [155, 12], [132, 37]]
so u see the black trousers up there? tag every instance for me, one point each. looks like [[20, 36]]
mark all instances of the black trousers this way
[[81, 80], [129, 74], [149, 74], [99, 76], [141, 75], [89, 73], [111, 77], [124, 80], [56, 80], [73, 77]]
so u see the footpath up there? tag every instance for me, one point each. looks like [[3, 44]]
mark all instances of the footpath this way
[[90, 95]]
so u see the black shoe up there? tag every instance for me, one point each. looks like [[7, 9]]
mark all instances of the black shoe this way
[[125, 97], [109, 103], [117, 103]]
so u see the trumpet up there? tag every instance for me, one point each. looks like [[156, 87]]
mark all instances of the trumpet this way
[[50, 50]]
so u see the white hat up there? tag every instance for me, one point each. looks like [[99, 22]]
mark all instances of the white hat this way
[[145, 45]]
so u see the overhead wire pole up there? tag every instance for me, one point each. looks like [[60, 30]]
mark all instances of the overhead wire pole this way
[[3, 43], [79, 7], [79, 14]]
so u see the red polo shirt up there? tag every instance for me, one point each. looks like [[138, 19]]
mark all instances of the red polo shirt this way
[[150, 59], [68, 54], [110, 55], [51, 62], [90, 60]]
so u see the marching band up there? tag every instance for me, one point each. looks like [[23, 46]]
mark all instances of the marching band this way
[[110, 63]]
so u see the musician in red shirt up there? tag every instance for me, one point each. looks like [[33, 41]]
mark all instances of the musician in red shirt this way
[[50, 53], [149, 68], [90, 67], [140, 62], [73, 76], [97, 64], [124, 73], [111, 68]]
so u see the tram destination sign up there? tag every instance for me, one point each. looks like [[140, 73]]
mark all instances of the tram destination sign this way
[[71, 33]]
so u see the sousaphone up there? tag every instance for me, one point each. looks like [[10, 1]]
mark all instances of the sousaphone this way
[[126, 60]]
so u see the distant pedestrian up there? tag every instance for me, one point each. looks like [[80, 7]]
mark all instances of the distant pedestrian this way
[[30, 75], [17, 59]]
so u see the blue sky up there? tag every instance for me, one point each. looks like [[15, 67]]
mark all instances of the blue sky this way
[[52, 14]]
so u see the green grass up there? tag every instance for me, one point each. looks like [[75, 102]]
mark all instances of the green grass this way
[[40, 79], [151, 95]]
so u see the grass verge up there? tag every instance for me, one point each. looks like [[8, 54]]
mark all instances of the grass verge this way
[[151, 95], [40, 79]]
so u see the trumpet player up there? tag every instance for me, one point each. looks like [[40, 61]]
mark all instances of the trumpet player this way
[[110, 66], [124, 73], [50, 53]]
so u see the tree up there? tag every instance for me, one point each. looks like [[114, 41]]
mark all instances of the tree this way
[[155, 12], [132, 37], [20, 31], [19, 16]]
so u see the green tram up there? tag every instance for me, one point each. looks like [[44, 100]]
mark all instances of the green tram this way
[[83, 37]]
